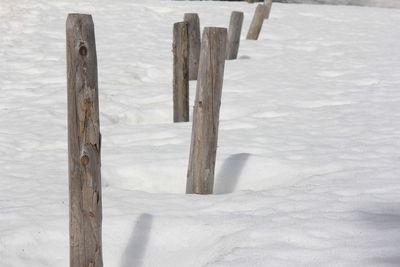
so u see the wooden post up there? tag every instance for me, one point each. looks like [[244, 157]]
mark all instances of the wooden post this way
[[203, 149], [268, 3], [257, 22], [194, 43], [84, 142], [235, 28], [180, 49]]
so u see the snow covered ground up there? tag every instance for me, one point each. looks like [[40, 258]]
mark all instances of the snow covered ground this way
[[374, 3], [307, 172]]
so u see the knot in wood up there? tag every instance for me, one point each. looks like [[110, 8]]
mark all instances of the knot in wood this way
[[85, 160], [83, 51]]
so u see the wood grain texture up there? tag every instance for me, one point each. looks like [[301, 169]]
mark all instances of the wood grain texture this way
[[268, 4], [180, 49], [194, 43], [84, 142], [233, 41], [200, 177], [257, 22]]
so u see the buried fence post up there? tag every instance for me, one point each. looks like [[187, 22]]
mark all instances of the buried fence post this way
[[203, 148], [268, 3], [180, 49], [233, 40], [85, 209], [194, 43], [257, 22]]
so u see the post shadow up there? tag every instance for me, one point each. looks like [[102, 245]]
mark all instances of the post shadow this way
[[136, 248], [229, 173], [387, 220]]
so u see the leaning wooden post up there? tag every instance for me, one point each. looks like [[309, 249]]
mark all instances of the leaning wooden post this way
[[235, 28], [84, 142], [180, 48], [257, 22], [200, 177], [194, 43], [268, 3]]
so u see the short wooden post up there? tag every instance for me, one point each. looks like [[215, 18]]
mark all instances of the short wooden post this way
[[84, 140], [194, 43], [200, 177], [257, 22], [268, 3], [235, 28], [180, 49]]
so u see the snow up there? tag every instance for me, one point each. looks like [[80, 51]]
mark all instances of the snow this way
[[307, 166], [375, 3]]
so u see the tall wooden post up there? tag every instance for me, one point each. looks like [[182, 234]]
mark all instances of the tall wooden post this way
[[180, 49], [194, 43], [257, 22], [235, 28], [268, 3], [84, 142], [203, 149]]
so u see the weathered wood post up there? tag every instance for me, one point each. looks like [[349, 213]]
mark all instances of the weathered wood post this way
[[84, 141], [200, 177], [194, 43], [268, 3], [257, 22], [180, 49], [235, 28]]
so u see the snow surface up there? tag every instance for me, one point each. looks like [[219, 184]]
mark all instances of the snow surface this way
[[308, 160], [375, 3]]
